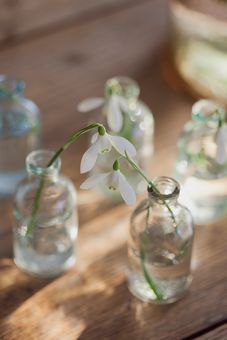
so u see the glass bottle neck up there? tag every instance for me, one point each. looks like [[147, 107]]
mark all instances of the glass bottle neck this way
[[124, 87], [36, 164], [164, 192], [10, 87], [209, 112]]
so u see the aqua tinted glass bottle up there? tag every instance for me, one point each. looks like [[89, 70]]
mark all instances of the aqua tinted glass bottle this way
[[19, 132], [201, 165]]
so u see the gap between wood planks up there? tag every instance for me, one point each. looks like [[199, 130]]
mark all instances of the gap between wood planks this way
[[206, 330], [74, 20]]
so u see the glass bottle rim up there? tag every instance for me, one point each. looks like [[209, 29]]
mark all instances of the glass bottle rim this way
[[37, 160], [122, 86], [205, 110], [10, 86], [167, 188]]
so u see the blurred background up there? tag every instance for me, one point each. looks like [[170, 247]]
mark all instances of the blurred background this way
[[66, 50]]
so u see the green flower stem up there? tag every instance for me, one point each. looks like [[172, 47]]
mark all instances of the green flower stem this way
[[64, 147], [146, 274], [71, 140], [150, 184], [35, 207]]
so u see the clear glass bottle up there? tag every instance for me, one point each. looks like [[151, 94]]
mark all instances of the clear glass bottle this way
[[199, 44], [160, 245], [203, 180], [137, 127], [51, 248], [19, 132]]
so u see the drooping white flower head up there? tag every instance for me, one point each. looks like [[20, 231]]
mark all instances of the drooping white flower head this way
[[221, 153], [102, 142], [90, 104], [116, 104], [114, 180]]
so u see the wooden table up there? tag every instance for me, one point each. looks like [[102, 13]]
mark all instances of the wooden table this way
[[65, 51]]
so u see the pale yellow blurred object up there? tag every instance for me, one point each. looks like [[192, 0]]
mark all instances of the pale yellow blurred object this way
[[200, 45]]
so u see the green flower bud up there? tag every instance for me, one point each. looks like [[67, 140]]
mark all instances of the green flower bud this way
[[101, 130], [116, 165]]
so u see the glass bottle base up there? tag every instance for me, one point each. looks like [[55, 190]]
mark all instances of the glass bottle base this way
[[44, 266], [172, 290]]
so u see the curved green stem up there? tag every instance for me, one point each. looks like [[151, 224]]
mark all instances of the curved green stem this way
[[146, 274], [64, 147], [150, 184]]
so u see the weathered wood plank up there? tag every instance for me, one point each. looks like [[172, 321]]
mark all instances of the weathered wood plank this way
[[20, 17], [92, 301], [65, 67], [219, 333]]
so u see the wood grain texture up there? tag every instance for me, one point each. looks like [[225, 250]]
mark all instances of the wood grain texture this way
[[65, 67], [92, 301], [218, 333], [25, 17]]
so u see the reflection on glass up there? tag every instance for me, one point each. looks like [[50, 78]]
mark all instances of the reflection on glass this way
[[199, 169], [50, 249]]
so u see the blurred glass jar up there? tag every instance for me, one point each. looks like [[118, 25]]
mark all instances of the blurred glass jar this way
[[128, 117], [50, 249], [160, 245], [202, 175], [200, 45], [19, 132]]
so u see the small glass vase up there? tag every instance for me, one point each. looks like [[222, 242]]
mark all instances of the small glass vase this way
[[19, 132], [160, 245], [137, 127], [50, 249], [202, 178]]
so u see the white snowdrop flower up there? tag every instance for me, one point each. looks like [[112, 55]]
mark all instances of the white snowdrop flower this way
[[90, 104], [114, 180], [116, 105], [221, 153], [102, 142]]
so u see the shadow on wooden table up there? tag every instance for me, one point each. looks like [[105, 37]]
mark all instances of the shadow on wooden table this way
[[15, 287], [94, 305]]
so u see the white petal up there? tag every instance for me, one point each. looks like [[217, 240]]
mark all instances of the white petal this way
[[94, 138], [221, 153], [104, 144], [113, 180], [90, 104], [123, 104], [114, 115], [121, 144], [127, 192], [92, 181], [89, 158]]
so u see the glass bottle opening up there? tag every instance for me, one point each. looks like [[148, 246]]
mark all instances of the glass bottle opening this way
[[166, 188], [10, 86], [208, 111], [122, 86], [36, 163]]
